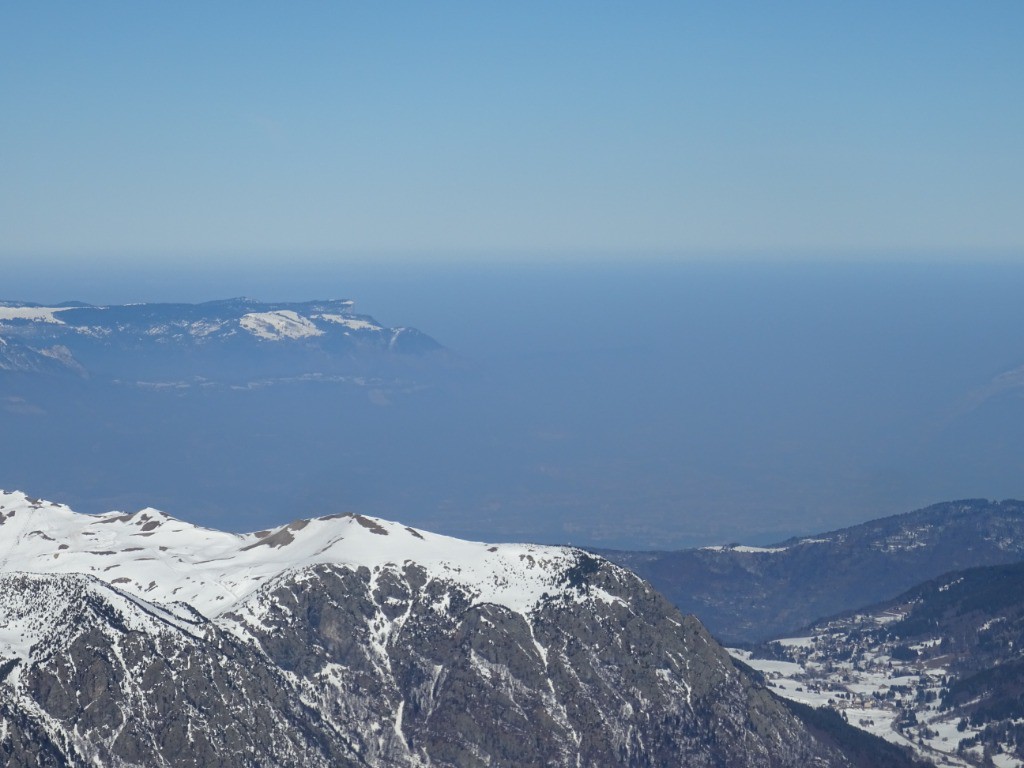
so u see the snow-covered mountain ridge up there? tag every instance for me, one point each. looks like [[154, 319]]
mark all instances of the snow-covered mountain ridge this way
[[141, 640], [161, 559]]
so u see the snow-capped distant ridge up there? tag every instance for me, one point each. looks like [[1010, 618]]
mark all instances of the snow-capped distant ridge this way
[[162, 559], [208, 339], [748, 594], [261, 320]]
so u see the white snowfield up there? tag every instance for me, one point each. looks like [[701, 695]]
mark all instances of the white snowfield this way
[[287, 324], [160, 559], [744, 548], [280, 324], [759, 550], [38, 314]]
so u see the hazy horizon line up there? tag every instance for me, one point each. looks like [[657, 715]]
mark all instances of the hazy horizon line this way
[[271, 257]]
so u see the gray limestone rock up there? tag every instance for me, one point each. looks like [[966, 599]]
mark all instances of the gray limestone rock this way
[[337, 666]]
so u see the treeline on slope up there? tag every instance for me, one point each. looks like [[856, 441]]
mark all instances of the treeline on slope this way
[[979, 615], [864, 749]]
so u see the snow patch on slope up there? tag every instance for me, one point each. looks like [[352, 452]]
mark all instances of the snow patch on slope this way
[[279, 324], [744, 548], [352, 323]]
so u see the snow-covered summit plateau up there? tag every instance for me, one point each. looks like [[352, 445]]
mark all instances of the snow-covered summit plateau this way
[[162, 559]]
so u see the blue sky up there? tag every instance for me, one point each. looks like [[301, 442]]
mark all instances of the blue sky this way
[[187, 129]]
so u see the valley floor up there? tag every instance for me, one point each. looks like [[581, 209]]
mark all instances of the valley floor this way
[[896, 700]]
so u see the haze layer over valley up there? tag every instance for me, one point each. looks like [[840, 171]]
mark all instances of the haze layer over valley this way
[[605, 405]]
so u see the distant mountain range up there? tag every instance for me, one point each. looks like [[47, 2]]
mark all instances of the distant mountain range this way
[[139, 639], [212, 341], [939, 668], [747, 594]]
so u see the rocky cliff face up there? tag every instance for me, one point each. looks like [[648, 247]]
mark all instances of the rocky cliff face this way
[[142, 640]]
